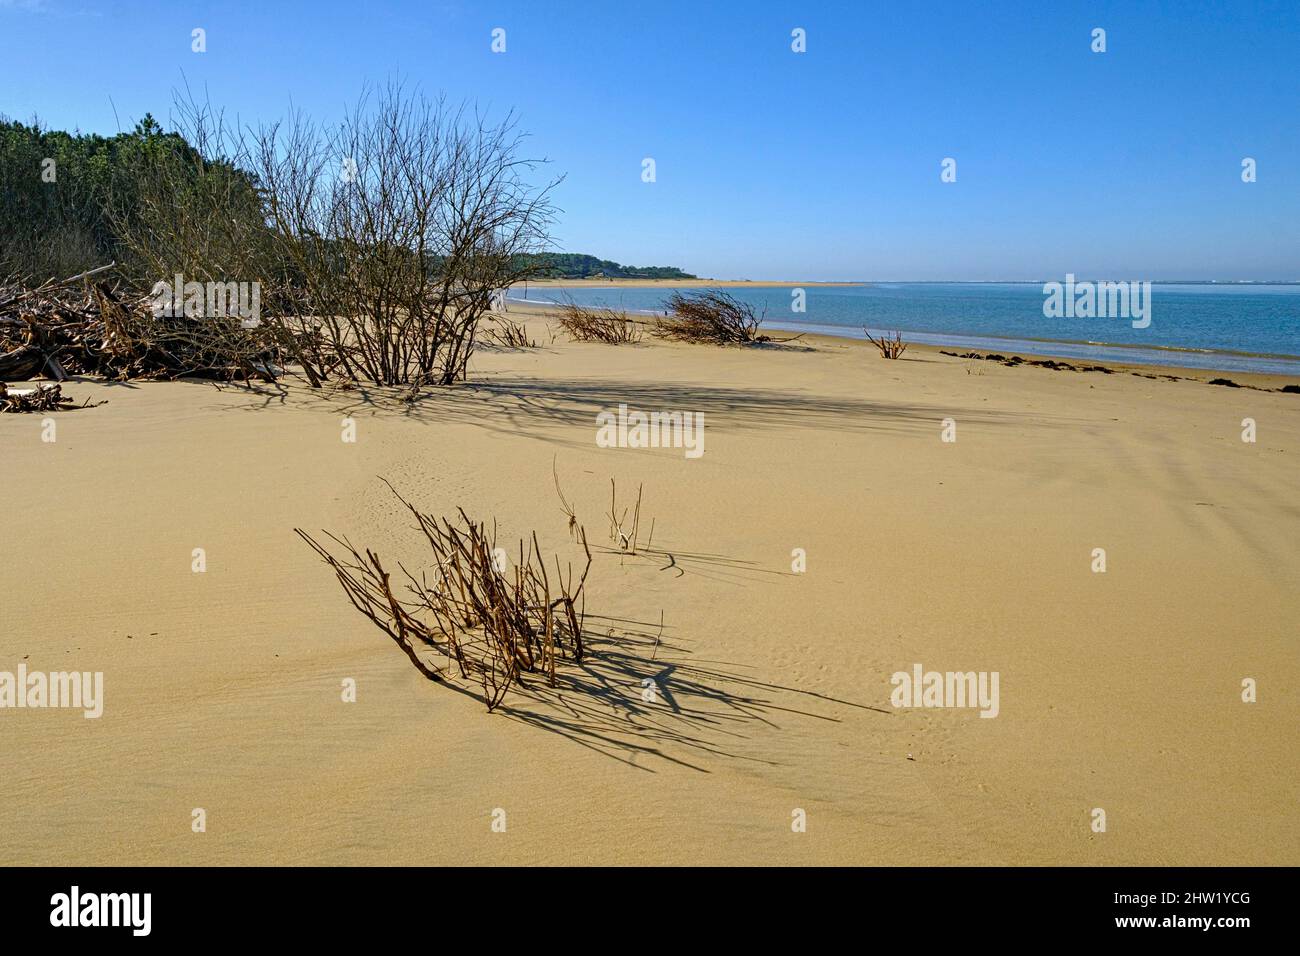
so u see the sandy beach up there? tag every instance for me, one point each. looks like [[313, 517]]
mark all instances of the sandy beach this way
[[1119, 690]]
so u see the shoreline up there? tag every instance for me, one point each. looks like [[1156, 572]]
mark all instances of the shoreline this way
[[685, 283], [1216, 357], [1265, 379]]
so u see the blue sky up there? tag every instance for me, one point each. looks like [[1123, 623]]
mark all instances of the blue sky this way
[[771, 164]]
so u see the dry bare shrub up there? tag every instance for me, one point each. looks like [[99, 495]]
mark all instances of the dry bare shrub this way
[[396, 230], [712, 317], [584, 324], [889, 348], [194, 207], [496, 623]]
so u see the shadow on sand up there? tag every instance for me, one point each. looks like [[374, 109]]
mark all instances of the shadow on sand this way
[[638, 699], [514, 405]]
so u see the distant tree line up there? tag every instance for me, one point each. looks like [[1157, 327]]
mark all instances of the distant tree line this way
[[73, 201], [573, 265]]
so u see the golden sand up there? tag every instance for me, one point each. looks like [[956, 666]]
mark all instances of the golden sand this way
[[222, 689]]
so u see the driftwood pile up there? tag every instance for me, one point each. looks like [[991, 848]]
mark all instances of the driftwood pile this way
[[46, 397], [83, 326], [498, 616]]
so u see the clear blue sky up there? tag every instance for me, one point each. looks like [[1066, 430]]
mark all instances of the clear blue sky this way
[[771, 164]]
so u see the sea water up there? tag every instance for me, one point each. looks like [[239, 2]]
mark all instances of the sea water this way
[[1232, 327]]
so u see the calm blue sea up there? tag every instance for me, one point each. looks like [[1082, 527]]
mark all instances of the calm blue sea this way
[[1228, 327]]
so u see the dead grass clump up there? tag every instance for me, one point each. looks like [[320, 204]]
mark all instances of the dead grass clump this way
[[889, 348], [510, 335], [711, 317], [498, 621], [584, 324]]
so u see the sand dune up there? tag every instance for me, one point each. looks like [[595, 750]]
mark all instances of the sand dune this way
[[1119, 691]]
